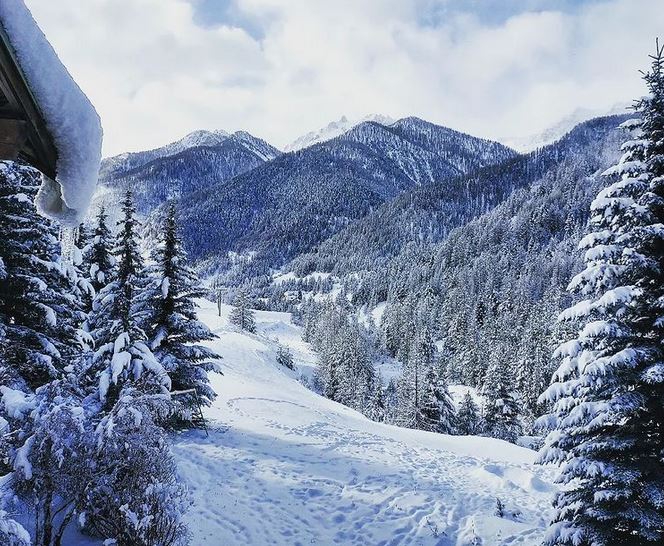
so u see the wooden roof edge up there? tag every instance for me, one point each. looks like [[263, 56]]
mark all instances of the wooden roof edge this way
[[43, 154]]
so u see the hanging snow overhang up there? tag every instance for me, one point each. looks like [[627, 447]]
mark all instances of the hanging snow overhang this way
[[45, 118], [23, 132]]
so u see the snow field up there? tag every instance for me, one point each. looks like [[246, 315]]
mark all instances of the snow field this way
[[284, 466]]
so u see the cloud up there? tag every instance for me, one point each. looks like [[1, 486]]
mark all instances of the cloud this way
[[157, 69]]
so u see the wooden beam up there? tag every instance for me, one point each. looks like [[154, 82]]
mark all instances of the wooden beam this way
[[13, 138], [39, 149]]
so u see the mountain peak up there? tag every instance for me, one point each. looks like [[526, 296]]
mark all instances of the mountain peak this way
[[335, 129]]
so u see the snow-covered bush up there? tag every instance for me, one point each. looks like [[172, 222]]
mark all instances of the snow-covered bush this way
[[137, 499], [11, 532], [53, 460]]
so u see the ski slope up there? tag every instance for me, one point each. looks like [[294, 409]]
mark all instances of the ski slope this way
[[283, 466]]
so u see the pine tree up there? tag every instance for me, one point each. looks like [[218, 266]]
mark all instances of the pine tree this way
[[242, 315], [285, 357], [412, 385], [501, 412], [430, 410], [39, 317], [122, 354], [376, 410], [608, 393], [447, 409], [356, 370], [438, 413], [98, 259], [467, 419], [171, 325]]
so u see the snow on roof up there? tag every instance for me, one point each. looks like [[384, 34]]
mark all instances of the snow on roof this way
[[69, 116]]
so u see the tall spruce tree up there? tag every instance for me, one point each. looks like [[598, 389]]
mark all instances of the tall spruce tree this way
[[122, 354], [242, 315], [412, 384], [501, 411], [39, 316], [98, 260], [171, 324], [608, 393], [467, 418], [375, 409]]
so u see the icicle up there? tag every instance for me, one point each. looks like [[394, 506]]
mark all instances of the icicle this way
[[67, 238]]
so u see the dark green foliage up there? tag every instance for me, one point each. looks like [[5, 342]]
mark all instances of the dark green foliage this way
[[39, 315], [171, 325]]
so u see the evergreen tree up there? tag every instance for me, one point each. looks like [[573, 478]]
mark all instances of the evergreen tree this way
[[412, 384], [376, 410], [39, 315], [501, 412], [82, 238], [356, 370], [285, 357], [242, 315], [98, 259], [438, 414], [447, 410], [608, 393], [122, 354], [467, 420], [171, 325], [431, 399]]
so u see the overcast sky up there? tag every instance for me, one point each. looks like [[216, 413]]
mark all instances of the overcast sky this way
[[157, 69]]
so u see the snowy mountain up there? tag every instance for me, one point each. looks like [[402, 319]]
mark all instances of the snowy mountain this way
[[198, 160], [123, 163], [334, 129], [483, 260], [285, 466], [564, 126], [288, 205], [428, 213]]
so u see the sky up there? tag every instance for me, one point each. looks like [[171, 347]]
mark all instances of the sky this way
[[159, 69]]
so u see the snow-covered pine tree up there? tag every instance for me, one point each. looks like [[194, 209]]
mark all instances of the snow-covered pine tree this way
[[608, 393], [447, 409], [438, 411], [122, 354], [431, 398], [412, 385], [285, 357], [12, 533], [242, 315], [467, 418], [375, 409], [98, 260], [170, 322], [82, 238], [500, 412], [39, 317], [356, 370]]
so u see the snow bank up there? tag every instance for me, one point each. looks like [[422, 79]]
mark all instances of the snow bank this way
[[70, 117], [284, 466]]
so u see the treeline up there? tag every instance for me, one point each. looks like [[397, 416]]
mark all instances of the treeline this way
[[419, 398], [489, 293], [98, 359]]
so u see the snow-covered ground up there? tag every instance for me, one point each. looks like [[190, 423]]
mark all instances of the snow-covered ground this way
[[283, 466]]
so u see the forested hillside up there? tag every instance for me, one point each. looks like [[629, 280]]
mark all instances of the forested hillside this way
[[287, 206], [487, 290], [428, 213], [199, 160]]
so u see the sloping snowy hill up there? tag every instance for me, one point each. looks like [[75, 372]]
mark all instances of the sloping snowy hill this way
[[283, 466]]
